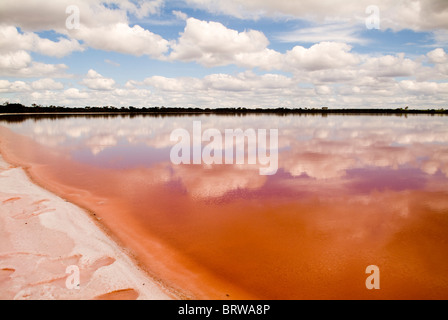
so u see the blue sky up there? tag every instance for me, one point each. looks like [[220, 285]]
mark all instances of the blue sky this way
[[213, 53]]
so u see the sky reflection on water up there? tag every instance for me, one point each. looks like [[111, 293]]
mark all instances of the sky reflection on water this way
[[350, 191]]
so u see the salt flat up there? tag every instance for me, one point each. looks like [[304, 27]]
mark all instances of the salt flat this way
[[42, 234]]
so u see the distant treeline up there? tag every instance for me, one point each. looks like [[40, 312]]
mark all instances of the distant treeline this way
[[36, 109]]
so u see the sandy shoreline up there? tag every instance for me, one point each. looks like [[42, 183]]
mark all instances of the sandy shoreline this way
[[41, 235]]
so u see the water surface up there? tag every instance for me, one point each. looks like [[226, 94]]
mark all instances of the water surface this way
[[350, 191]]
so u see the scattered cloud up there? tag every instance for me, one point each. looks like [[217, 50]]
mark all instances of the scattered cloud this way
[[124, 39], [212, 44], [96, 81], [12, 40], [224, 63], [20, 64], [115, 64], [327, 32], [180, 15], [415, 15], [47, 84]]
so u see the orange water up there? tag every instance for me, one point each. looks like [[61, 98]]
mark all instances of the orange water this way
[[345, 196]]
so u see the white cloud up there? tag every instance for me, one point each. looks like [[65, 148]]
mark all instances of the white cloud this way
[[391, 66], [47, 84], [440, 37], [324, 73], [266, 59], [324, 55], [116, 64], [440, 59], [212, 44], [96, 81], [39, 69], [74, 93], [174, 84], [418, 15], [246, 81], [333, 32], [323, 90], [398, 15], [20, 64], [180, 15], [254, 9], [143, 8], [101, 27], [14, 60], [81, 97], [425, 88], [223, 90], [122, 38], [56, 49], [16, 86], [11, 41], [35, 15], [438, 56]]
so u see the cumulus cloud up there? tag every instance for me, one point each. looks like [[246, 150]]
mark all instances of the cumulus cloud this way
[[173, 84], [16, 86], [81, 97], [20, 64], [424, 88], [96, 81], [391, 66], [220, 90], [16, 61], [247, 81], [12, 40], [180, 15], [74, 93], [120, 37], [47, 84], [359, 86], [101, 27], [438, 56], [142, 8], [324, 55], [212, 44], [323, 73], [35, 15], [398, 15], [57, 49]]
